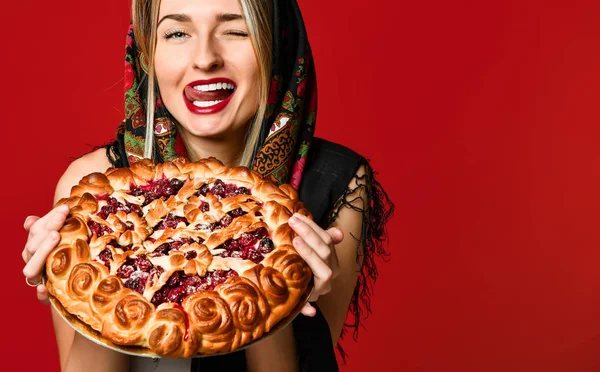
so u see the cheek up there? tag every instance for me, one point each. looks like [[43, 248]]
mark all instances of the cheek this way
[[168, 71], [245, 62], [253, 81]]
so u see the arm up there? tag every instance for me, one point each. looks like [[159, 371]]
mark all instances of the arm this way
[[74, 350], [93, 162], [332, 255], [85, 355], [276, 353], [334, 305]]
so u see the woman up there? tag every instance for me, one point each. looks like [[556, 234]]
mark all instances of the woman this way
[[235, 80]]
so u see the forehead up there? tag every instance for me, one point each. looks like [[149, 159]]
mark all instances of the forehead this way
[[199, 7]]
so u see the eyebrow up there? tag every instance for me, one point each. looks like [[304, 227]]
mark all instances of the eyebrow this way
[[221, 17], [176, 17], [226, 17]]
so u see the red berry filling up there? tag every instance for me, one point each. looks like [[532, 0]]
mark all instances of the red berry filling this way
[[190, 255], [180, 285], [113, 206], [104, 197], [222, 190], [224, 222], [246, 247], [170, 221], [186, 320], [98, 229], [105, 257], [137, 271], [164, 249], [162, 188]]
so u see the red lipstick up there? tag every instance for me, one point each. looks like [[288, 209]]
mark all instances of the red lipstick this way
[[190, 95]]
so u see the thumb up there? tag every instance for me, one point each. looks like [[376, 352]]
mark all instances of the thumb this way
[[337, 235]]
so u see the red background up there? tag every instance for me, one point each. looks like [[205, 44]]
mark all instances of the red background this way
[[481, 118]]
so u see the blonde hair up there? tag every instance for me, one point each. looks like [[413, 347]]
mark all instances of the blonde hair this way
[[258, 15]]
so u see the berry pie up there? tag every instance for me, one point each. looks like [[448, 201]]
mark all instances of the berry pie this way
[[180, 259]]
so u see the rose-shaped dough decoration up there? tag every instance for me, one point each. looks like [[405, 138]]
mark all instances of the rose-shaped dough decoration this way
[[179, 258]]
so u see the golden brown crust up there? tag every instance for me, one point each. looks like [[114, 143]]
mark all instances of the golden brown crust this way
[[83, 271]]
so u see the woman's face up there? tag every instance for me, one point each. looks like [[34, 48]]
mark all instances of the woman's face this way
[[205, 65]]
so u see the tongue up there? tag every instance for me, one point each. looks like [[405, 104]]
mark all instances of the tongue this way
[[217, 95]]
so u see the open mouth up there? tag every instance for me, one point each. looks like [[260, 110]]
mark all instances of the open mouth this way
[[206, 94]]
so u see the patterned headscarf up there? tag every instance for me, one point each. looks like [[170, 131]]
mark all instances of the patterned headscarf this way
[[289, 123]]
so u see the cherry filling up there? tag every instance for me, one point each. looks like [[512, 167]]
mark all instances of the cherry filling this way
[[105, 257], [186, 320], [170, 221], [98, 229], [249, 246], [161, 188], [180, 285], [222, 190], [223, 222], [113, 206], [190, 255], [164, 249], [137, 271]]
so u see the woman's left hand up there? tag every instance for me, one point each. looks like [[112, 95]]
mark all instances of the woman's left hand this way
[[317, 248]]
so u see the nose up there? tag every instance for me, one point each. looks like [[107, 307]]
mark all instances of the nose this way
[[207, 55]]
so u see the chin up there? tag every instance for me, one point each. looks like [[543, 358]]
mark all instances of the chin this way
[[218, 125], [208, 128], [205, 130]]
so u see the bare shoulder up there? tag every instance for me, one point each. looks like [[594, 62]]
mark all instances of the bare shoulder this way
[[95, 161]]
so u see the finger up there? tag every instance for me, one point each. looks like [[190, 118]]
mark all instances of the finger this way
[[312, 237], [53, 220], [30, 220], [314, 296], [34, 267], [42, 294], [336, 234], [322, 272], [308, 310], [40, 230], [38, 241], [25, 256], [322, 233]]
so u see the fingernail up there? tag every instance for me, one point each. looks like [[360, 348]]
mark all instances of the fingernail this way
[[293, 220], [297, 241]]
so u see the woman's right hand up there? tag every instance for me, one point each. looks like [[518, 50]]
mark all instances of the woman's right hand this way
[[43, 237]]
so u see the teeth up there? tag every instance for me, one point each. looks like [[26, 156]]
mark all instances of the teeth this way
[[213, 87], [206, 103]]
